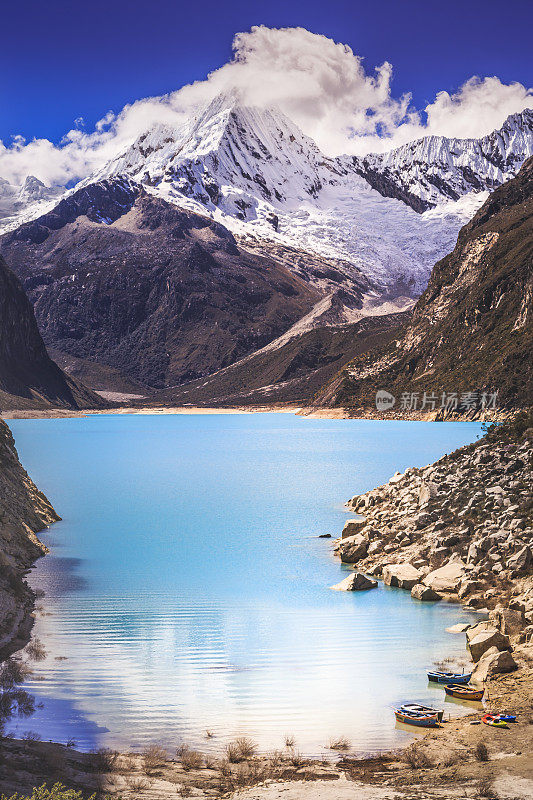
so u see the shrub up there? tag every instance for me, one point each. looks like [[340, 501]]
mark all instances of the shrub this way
[[296, 759], [153, 758], [240, 749], [137, 784], [341, 743], [481, 752], [416, 758], [485, 789], [104, 760], [31, 736], [290, 741], [35, 650], [191, 759], [57, 792]]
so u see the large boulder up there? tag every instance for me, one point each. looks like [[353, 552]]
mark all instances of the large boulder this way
[[353, 548], [507, 620], [421, 592], [446, 578], [520, 561], [355, 582], [351, 527], [405, 576], [474, 630], [427, 492], [485, 640], [492, 663]]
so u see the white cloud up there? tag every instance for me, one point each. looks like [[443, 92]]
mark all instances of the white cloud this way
[[320, 84]]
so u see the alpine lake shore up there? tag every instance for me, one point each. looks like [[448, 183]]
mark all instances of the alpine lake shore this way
[[457, 531]]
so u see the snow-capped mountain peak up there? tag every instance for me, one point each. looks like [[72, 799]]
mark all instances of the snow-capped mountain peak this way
[[388, 217]]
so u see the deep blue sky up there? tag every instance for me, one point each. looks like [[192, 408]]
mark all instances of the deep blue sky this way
[[62, 59]]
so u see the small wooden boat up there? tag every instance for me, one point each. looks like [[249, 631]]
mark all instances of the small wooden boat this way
[[449, 677], [419, 709], [464, 692], [419, 719], [494, 720]]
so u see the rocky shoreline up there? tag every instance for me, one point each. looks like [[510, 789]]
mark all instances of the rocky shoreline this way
[[459, 530], [24, 511]]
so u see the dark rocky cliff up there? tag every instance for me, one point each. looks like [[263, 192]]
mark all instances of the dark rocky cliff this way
[[28, 377]]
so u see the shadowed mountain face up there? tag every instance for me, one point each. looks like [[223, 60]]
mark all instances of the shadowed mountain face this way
[[472, 329], [28, 377], [289, 371], [162, 295]]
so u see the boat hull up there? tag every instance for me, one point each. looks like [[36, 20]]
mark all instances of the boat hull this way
[[448, 677], [464, 693], [429, 721]]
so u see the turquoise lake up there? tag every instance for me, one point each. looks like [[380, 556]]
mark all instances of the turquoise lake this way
[[187, 588]]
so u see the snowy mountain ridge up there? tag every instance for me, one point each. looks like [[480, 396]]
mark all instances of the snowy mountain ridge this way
[[436, 168], [389, 216]]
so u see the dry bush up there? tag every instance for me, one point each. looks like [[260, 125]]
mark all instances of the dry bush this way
[[296, 759], [485, 789], [481, 752], [290, 742], [247, 747], [209, 762], [12, 672], [191, 759], [340, 743], [209, 734], [240, 749], [275, 758], [154, 757], [104, 760], [416, 758], [31, 736], [450, 760], [224, 768], [137, 784]]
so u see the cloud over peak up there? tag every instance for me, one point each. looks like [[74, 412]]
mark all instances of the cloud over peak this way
[[320, 84]]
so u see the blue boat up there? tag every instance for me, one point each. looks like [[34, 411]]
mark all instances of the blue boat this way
[[449, 677], [416, 719], [416, 708]]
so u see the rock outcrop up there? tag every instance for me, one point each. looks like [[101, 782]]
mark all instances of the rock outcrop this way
[[24, 511], [461, 528]]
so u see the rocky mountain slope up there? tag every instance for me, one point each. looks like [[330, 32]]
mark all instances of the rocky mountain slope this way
[[28, 377], [24, 511], [289, 370], [160, 294], [472, 329]]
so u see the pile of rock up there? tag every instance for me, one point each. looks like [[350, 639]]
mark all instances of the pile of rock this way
[[460, 529]]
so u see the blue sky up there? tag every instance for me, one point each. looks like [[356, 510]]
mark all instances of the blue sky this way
[[62, 60]]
